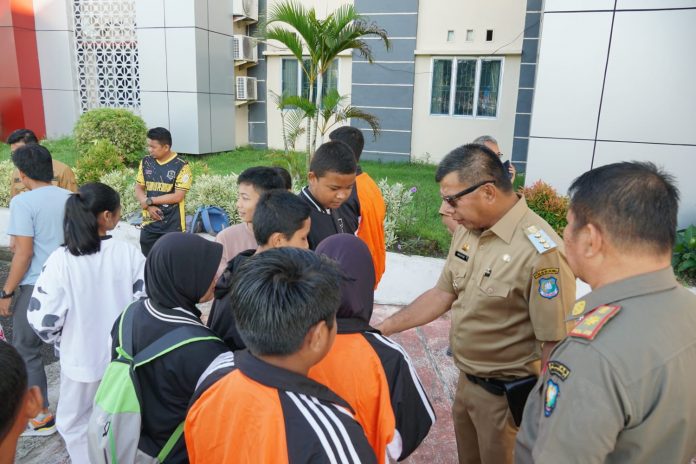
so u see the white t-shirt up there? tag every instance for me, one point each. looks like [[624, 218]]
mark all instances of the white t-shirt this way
[[77, 299]]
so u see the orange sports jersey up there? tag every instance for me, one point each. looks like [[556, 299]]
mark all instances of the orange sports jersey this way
[[253, 412], [376, 377], [371, 228]]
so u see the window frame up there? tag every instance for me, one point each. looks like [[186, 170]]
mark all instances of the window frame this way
[[300, 74], [477, 81]]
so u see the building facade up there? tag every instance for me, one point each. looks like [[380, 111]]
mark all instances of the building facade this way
[[616, 83]]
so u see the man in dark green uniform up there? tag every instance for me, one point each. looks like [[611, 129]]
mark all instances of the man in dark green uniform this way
[[161, 186], [620, 387]]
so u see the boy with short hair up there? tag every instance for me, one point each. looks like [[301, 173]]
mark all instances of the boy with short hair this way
[[366, 203], [331, 180], [253, 183], [161, 186], [280, 220], [63, 176], [264, 409], [18, 401], [36, 228]]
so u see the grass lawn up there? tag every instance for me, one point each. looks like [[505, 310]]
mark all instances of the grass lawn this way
[[422, 233]]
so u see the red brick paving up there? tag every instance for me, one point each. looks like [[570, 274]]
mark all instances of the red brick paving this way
[[427, 347]]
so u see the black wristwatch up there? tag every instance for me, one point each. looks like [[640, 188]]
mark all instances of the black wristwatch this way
[[148, 201], [4, 295]]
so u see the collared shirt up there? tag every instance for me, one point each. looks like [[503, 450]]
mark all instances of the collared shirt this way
[[63, 177], [260, 413], [325, 221], [623, 391], [160, 178], [510, 296]]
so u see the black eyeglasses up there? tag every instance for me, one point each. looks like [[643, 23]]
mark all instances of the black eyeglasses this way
[[452, 199]]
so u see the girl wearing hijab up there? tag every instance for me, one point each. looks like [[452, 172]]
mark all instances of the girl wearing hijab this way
[[84, 286], [370, 371], [179, 273]]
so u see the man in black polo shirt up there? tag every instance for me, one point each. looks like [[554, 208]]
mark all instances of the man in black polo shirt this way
[[161, 186], [331, 180]]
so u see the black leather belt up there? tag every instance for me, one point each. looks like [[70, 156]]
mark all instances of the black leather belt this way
[[493, 386]]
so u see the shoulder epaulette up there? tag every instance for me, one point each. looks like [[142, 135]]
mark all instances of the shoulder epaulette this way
[[592, 323], [540, 239]]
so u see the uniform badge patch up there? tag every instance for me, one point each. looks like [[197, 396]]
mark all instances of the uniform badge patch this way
[[558, 369], [171, 174], [578, 308], [590, 326], [551, 397], [548, 287], [547, 271]]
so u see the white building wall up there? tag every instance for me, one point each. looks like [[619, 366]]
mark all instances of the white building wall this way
[[616, 85], [187, 72], [56, 49]]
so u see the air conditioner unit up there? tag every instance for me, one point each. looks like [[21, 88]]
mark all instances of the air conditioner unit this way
[[245, 10], [245, 49], [246, 88]]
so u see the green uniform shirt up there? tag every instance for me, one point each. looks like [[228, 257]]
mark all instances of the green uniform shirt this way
[[621, 388]]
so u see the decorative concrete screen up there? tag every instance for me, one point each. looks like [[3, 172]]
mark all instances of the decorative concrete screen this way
[[106, 52]]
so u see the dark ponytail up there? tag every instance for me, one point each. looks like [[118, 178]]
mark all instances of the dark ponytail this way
[[80, 225]]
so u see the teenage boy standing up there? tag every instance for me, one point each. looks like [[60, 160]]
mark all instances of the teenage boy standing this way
[[331, 181], [36, 226], [161, 186]]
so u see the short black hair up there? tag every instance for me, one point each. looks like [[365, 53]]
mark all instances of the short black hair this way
[[13, 386], [80, 226], [279, 211], [34, 161], [474, 163], [278, 295], [334, 156], [22, 135], [285, 175], [262, 178], [351, 136], [161, 135], [635, 203]]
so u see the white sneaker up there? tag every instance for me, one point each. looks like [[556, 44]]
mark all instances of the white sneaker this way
[[41, 426]]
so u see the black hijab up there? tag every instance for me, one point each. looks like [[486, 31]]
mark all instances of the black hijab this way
[[357, 292], [180, 269]]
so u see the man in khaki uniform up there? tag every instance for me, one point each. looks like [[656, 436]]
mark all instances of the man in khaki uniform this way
[[621, 387], [63, 176], [507, 282]]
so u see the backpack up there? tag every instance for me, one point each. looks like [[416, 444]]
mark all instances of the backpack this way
[[210, 219], [114, 427]]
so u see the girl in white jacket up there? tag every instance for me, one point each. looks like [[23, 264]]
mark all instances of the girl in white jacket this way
[[83, 288]]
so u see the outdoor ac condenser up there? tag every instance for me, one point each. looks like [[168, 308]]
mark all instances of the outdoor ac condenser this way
[[245, 10], [245, 49], [246, 88]]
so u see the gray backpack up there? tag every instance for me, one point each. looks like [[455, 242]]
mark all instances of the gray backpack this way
[[115, 425]]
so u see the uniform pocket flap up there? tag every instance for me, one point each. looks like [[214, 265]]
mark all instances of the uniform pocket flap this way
[[492, 287]]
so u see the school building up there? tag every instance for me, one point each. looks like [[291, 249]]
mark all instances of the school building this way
[[564, 85]]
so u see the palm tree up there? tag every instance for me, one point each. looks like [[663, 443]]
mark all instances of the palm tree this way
[[299, 29]]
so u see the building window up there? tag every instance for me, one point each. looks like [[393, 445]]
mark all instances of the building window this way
[[106, 53], [466, 87], [295, 82]]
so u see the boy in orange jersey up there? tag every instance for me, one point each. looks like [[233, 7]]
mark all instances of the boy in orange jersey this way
[[365, 203], [263, 408]]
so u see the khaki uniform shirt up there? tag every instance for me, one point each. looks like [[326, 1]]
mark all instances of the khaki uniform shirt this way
[[622, 387], [63, 177], [511, 294]]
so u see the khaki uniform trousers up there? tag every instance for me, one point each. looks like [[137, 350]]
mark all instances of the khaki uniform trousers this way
[[483, 425]]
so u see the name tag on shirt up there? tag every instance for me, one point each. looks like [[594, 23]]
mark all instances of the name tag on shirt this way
[[461, 256]]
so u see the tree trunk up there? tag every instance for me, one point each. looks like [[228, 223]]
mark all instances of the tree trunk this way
[[309, 126], [320, 83]]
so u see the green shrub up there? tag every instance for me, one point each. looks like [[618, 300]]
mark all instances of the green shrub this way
[[125, 130], [214, 190], [396, 197], [684, 256], [101, 158], [547, 203], [6, 169], [123, 181]]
